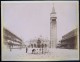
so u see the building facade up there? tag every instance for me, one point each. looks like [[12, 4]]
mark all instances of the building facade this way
[[53, 29], [69, 40], [38, 46], [11, 40]]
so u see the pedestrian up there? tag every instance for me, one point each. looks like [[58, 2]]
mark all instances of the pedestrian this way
[[32, 51], [26, 49]]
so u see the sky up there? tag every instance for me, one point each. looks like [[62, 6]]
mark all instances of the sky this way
[[31, 20]]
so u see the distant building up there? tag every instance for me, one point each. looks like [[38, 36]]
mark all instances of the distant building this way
[[69, 40], [11, 40], [39, 45]]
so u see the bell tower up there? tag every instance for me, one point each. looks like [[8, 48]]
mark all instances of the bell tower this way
[[53, 28]]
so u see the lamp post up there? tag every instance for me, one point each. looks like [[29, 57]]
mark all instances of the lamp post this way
[[42, 48], [38, 43]]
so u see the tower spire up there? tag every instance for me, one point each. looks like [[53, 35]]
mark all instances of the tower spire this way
[[53, 9]]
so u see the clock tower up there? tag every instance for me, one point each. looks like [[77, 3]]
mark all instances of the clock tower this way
[[53, 29]]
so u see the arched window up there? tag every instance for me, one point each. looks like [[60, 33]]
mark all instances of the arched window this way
[[45, 45], [35, 45], [42, 45], [38, 42], [32, 45]]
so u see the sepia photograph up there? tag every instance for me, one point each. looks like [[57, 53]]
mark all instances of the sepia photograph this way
[[39, 30]]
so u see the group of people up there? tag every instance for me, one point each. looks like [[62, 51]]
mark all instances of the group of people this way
[[33, 50]]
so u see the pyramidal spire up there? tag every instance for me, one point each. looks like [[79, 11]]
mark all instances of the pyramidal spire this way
[[53, 9]]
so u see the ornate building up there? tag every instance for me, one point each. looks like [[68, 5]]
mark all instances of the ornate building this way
[[53, 29], [39, 45]]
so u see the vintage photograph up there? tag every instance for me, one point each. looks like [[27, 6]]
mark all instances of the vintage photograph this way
[[45, 30]]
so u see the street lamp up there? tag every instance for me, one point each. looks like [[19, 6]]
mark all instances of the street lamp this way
[[42, 48]]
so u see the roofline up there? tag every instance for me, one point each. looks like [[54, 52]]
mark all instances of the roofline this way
[[11, 33]]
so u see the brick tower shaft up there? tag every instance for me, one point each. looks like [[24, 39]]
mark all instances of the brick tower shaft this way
[[53, 29]]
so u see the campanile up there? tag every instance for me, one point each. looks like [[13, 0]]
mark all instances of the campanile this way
[[53, 28]]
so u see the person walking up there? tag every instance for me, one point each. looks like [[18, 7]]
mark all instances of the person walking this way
[[26, 49]]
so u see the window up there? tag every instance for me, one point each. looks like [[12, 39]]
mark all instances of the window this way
[[45, 45], [53, 19], [32, 45], [42, 45], [35, 45]]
